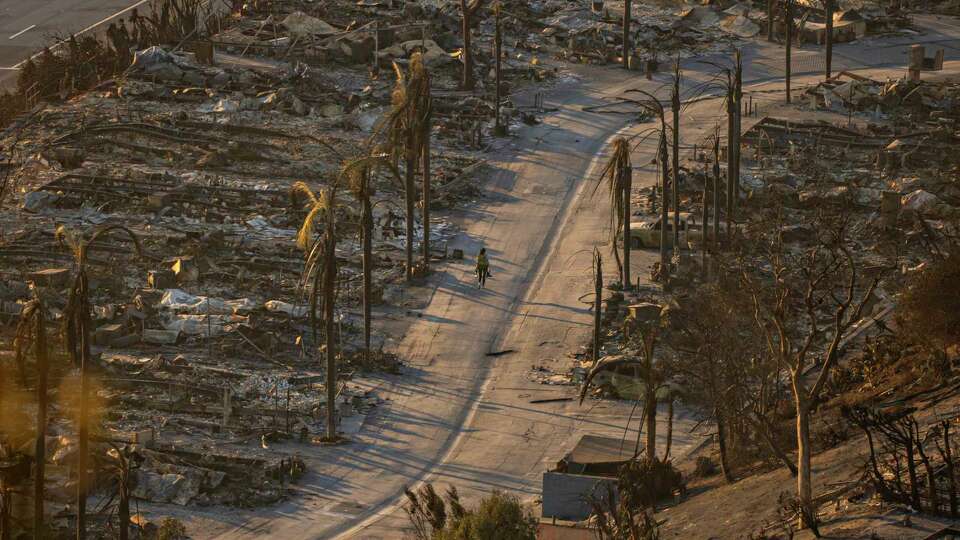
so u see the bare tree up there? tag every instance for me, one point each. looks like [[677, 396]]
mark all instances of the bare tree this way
[[788, 312]]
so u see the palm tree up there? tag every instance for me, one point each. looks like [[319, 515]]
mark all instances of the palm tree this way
[[405, 135], [652, 105], [321, 265], [76, 316], [357, 173], [619, 176], [31, 330], [467, 12]]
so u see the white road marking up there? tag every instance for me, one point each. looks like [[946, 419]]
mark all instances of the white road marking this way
[[22, 32], [87, 29]]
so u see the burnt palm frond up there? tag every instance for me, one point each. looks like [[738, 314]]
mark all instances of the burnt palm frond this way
[[614, 173], [318, 204]]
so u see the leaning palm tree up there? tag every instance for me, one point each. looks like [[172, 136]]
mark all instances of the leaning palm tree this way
[[403, 127], [618, 173], [76, 316], [320, 277], [31, 332]]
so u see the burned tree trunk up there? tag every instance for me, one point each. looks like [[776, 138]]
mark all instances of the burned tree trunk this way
[[666, 450], [771, 9], [83, 435], [410, 197], [737, 120], [41, 449], [651, 407], [366, 222], [788, 25], [705, 220], [468, 10], [664, 202], [731, 127], [722, 444], [597, 302], [425, 211], [828, 38], [627, 9], [675, 104], [627, 189], [329, 285], [946, 453], [716, 192]]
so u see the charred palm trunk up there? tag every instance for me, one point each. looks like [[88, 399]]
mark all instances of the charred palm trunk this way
[[651, 416], [705, 220], [627, 9], [665, 201], [597, 303], [123, 507], [828, 38], [410, 196], [499, 129], [737, 125], [716, 193], [329, 284], [770, 17], [468, 10], [666, 451], [675, 103], [366, 219], [627, 189], [731, 155], [41, 448], [83, 435], [425, 157], [788, 24]]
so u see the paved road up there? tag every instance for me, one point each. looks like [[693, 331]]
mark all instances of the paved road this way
[[28, 25]]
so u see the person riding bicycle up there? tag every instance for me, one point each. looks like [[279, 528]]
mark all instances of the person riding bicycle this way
[[483, 268]]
